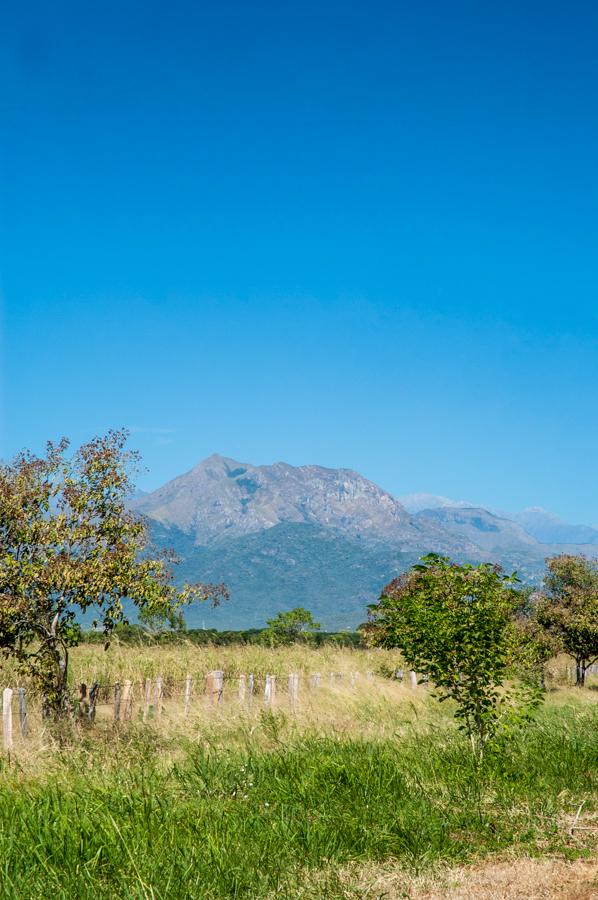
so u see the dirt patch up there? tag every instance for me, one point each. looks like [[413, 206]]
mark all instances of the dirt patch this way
[[517, 879]]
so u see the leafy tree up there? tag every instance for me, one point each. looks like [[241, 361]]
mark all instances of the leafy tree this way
[[454, 624], [68, 544], [156, 622], [568, 609], [288, 627]]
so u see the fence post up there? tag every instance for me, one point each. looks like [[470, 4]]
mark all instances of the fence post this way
[[242, 688], [369, 675], [413, 679], [215, 686], [23, 712], [147, 698], [127, 699], [314, 680], [294, 689], [83, 710], [270, 690], [159, 696], [250, 687], [7, 719], [188, 689], [117, 701], [93, 699]]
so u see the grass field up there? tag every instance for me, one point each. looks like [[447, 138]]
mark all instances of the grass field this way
[[362, 791]]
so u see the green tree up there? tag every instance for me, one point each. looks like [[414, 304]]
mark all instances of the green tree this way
[[568, 609], [69, 544], [455, 625], [156, 622], [288, 627]]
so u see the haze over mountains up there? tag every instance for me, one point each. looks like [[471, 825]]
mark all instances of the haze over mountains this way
[[328, 539], [546, 527]]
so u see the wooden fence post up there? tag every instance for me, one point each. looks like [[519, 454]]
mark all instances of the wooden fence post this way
[[413, 679], [215, 686], [93, 699], [250, 687], [117, 702], [127, 699], [188, 689], [159, 696], [147, 698], [23, 712], [242, 688], [7, 719], [83, 703], [270, 690], [369, 675], [314, 680], [294, 689]]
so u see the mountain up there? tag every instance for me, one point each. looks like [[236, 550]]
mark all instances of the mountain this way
[[221, 499], [483, 528], [548, 528], [544, 526], [415, 503], [281, 536]]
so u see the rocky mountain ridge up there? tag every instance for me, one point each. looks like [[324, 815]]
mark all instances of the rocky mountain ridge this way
[[221, 499]]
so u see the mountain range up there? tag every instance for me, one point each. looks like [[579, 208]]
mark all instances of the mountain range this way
[[328, 539]]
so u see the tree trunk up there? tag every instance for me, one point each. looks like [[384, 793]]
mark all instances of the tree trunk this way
[[580, 672]]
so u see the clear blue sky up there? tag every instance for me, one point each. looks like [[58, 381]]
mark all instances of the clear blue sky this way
[[357, 234]]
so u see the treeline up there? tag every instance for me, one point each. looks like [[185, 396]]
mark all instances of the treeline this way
[[136, 635]]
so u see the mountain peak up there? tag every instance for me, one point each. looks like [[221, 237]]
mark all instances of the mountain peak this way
[[215, 459], [221, 496]]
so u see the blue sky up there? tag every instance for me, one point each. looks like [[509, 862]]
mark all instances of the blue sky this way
[[361, 235]]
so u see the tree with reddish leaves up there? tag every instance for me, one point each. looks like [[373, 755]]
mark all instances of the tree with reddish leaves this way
[[69, 544]]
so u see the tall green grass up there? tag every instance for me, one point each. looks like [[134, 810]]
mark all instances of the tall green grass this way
[[261, 820]]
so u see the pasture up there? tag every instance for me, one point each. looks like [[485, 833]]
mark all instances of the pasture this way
[[363, 787]]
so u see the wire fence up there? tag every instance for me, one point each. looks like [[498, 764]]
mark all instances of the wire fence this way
[[145, 698]]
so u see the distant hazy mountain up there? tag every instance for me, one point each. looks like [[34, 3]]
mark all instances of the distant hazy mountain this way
[[548, 528], [328, 539], [483, 528], [414, 503]]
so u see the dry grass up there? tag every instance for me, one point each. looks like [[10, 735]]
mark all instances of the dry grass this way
[[347, 704], [504, 879]]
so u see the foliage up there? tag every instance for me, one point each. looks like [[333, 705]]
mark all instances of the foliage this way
[[455, 625], [136, 634], [288, 627], [163, 621], [533, 645], [568, 609], [68, 544]]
